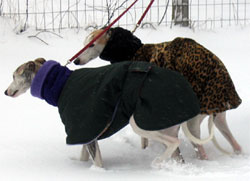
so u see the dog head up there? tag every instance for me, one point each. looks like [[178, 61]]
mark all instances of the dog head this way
[[23, 76], [95, 49], [117, 44]]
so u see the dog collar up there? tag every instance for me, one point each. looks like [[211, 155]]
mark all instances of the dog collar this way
[[49, 82], [38, 81], [121, 46]]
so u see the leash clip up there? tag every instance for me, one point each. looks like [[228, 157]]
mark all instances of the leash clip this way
[[67, 63]]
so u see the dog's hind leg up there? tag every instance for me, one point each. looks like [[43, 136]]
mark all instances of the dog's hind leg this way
[[171, 142], [194, 128], [95, 153], [221, 124], [173, 131]]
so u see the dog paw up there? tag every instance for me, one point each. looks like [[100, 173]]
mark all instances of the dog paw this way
[[238, 150], [158, 163], [84, 159], [202, 157], [97, 168], [201, 154]]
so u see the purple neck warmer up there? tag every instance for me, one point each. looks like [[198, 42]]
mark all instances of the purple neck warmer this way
[[49, 82]]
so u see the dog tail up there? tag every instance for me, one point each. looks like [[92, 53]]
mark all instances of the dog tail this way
[[198, 140], [216, 144]]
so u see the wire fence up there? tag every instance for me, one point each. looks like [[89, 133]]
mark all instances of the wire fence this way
[[60, 14]]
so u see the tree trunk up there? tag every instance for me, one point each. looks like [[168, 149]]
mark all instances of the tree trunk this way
[[180, 14]]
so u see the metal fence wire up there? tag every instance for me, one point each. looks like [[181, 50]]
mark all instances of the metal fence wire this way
[[61, 14]]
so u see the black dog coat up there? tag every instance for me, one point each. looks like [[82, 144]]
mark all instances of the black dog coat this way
[[95, 103]]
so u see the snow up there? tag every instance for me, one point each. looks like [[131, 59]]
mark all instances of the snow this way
[[32, 137]]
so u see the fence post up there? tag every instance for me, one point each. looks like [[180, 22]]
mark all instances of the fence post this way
[[1, 6], [180, 13], [27, 16]]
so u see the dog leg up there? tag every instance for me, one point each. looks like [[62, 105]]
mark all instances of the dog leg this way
[[194, 128], [95, 153], [177, 156], [144, 143], [171, 142], [84, 153], [221, 124], [173, 131]]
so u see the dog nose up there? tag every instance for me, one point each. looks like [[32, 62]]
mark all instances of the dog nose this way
[[6, 92], [77, 61]]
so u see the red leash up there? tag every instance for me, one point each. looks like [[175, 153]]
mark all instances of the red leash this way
[[99, 35], [143, 15], [108, 27]]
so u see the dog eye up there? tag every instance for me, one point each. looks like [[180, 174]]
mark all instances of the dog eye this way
[[91, 45]]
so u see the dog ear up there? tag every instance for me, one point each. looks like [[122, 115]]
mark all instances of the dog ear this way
[[109, 33], [31, 66], [40, 60], [20, 70]]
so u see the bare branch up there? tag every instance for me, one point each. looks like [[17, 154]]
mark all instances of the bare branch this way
[[33, 36], [36, 36], [112, 9], [164, 14], [148, 25]]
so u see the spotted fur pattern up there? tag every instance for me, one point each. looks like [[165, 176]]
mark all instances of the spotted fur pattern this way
[[204, 70]]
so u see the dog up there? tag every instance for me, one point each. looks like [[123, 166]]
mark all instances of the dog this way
[[206, 73], [132, 100]]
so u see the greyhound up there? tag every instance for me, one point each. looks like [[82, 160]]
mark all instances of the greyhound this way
[[22, 80]]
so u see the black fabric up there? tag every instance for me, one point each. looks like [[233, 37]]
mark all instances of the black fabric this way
[[158, 98], [88, 100], [166, 99], [54, 83], [121, 45]]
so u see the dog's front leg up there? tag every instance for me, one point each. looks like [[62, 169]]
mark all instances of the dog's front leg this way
[[144, 143], [84, 153], [95, 153]]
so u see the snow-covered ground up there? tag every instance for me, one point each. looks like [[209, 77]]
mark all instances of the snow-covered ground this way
[[32, 137]]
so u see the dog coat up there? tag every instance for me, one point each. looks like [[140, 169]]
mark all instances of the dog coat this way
[[95, 103], [205, 72]]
